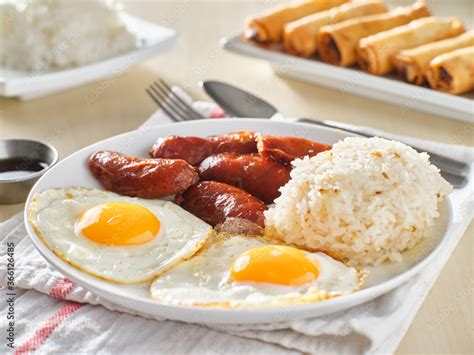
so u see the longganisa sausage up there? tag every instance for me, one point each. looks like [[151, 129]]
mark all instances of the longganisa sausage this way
[[138, 177], [287, 149], [240, 142], [215, 202], [192, 149], [259, 176], [195, 149]]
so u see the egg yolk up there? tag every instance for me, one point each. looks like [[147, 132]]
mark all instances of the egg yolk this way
[[276, 264], [118, 224]]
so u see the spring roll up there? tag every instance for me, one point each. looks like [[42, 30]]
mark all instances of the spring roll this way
[[453, 72], [412, 64], [375, 53], [269, 26], [301, 36], [338, 42]]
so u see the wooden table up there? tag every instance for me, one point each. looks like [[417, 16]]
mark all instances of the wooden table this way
[[79, 117]]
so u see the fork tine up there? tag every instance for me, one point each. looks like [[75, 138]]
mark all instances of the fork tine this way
[[166, 101], [160, 104], [167, 97], [180, 100], [171, 103]]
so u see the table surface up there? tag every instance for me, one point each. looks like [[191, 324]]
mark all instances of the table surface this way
[[79, 117]]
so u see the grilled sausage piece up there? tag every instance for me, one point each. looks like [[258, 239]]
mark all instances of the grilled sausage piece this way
[[259, 176], [287, 149], [195, 149], [214, 202], [241, 142], [192, 149], [138, 177]]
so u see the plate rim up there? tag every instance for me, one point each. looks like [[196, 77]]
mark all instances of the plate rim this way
[[214, 314]]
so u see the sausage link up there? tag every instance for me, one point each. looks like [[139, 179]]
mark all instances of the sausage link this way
[[192, 149], [259, 176], [214, 202], [287, 149], [137, 177], [195, 149], [241, 142]]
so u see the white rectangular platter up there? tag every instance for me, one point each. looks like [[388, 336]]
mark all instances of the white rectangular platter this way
[[388, 89], [153, 39]]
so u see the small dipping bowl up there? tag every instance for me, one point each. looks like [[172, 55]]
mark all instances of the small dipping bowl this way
[[22, 162]]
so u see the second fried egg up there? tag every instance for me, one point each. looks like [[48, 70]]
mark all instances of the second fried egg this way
[[116, 238], [243, 271]]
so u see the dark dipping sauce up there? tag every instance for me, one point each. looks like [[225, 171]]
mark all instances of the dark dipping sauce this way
[[19, 167]]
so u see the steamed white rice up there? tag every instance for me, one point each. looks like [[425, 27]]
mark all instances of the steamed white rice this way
[[366, 201], [41, 35]]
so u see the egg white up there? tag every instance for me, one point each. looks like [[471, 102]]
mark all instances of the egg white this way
[[53, 214], [204, 280]]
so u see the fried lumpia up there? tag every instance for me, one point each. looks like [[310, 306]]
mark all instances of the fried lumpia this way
[[338, 42], [453, 72], [375, 53], [301, 36], [269, 26], [412, 64]]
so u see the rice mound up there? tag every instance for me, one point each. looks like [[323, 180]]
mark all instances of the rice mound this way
[[365, 201], [44, 35]]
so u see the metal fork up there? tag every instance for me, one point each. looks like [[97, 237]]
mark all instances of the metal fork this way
[[171, 103]]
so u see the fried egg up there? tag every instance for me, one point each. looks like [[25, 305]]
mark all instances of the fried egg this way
[[116, 238], [241, 271]]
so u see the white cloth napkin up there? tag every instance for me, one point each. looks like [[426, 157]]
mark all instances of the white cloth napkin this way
[[54, 315]]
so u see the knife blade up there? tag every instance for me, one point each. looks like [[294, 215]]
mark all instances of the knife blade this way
[[237, 102]]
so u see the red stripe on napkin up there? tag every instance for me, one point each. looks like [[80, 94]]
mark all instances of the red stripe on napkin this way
[[43, 332], [62, 288]]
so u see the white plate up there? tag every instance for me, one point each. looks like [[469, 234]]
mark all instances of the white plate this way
[[389, 89], [153, 39], [73, 171]]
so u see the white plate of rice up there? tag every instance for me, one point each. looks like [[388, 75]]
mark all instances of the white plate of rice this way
[[53, 45], [417, 209]]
